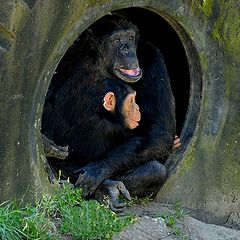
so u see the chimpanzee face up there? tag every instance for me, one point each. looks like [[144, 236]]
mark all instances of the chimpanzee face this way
[[130, 111], [119, 53]]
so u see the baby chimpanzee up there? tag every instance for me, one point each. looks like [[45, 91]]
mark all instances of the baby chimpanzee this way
[[117, 116]]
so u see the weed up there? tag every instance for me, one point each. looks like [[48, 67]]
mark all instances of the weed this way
[[173, 219], [141, 201], [65, 212], [91, 220], [36, 221], [88, 219], [10, 222], [179, 212]]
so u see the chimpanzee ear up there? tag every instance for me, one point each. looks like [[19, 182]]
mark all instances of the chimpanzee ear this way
[[109, 101]]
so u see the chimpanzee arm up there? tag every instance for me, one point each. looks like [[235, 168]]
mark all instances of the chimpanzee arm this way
[[115, 161], [157, 104]]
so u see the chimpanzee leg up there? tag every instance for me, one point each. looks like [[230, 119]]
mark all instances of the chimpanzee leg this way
[[145, 180]]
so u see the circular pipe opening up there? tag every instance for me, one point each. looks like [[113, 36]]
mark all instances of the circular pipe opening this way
[[182, 63]]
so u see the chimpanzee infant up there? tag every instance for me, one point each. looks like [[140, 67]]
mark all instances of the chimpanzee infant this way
[[118, 115]]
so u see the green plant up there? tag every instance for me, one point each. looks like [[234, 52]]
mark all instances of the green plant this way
[[64, 212], [29, 222], [139, 200], [91, 221], [10, 222], [88, 219], [179, 212], [36, 220], [173, 219]]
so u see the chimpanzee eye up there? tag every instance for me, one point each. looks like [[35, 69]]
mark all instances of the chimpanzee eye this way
[[116, 40], [131, 38]]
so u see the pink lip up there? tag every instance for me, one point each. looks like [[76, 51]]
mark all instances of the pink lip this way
[[131, 72], [135, 122]]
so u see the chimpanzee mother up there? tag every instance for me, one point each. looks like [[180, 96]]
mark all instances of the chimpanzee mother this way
[[111, 49]]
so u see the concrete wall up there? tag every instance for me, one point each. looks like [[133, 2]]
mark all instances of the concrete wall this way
[[205, 172]]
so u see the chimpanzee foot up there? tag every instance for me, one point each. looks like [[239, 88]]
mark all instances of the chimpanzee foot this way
[[109, 192], [53, 150]]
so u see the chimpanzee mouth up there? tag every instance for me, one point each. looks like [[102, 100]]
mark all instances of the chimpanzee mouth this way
[[129, 75]]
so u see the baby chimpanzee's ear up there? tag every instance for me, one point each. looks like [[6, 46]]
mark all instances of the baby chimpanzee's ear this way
[[109, 101]]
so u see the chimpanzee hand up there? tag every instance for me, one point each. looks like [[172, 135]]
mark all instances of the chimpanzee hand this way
[[90, 177], [109, 192], [176, 143]]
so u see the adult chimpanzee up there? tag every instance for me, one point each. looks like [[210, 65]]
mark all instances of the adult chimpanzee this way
[[107, 51]]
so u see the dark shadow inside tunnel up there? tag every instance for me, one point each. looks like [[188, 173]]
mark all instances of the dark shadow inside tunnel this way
[[160, 33]]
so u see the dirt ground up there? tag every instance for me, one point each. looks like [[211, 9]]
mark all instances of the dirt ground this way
[[150, 226]]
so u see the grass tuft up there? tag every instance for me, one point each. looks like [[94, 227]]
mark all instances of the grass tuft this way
[[10, 222], [62, 214], [173, 220]]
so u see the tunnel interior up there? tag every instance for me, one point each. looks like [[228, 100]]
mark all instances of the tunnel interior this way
[[159, 32]]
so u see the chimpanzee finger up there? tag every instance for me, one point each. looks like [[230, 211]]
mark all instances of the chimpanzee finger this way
[[92, 190], [176, 143], [114, 194], [115, 209], [85, 193], [123, 190], [53, 150], [80, 179], [87, 188], [80, 183], [118, 204], [176, 140]]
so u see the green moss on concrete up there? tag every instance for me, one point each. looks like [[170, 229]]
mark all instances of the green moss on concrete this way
[[230, 151], [204, 61], [207, 7], [94, 2], [188, 159], [200, 6], [194, 5], [226, 27], [183, 167]]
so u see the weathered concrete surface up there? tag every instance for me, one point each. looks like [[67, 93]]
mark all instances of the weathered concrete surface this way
[[35, 34], [151, 227], [207, 174]]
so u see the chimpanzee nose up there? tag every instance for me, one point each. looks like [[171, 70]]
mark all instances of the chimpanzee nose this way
[[124, 49]]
